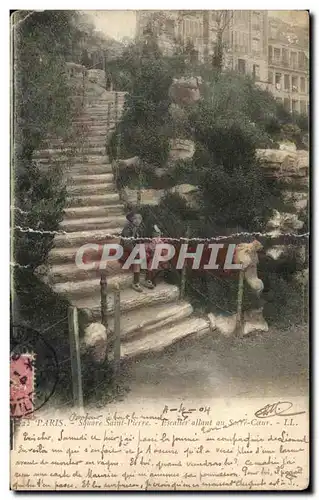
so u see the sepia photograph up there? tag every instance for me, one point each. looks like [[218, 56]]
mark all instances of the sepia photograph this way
[[160, 214]]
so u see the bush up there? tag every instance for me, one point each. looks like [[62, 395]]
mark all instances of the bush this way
[[144, 124], [283, 304], [42, 106], [172, 215], [39, 203]]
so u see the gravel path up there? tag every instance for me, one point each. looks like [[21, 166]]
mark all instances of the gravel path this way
[[271, 364]]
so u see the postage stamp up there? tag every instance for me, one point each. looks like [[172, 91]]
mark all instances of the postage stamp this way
[[22, 383], [33, 372]]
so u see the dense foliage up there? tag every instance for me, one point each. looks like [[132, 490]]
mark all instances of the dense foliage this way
[[42, 43], [233, 118]]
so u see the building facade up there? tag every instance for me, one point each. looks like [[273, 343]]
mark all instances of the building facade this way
[[288, 66], [272, 52]]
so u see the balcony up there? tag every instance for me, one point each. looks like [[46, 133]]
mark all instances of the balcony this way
[[283, 63], [274, 61]]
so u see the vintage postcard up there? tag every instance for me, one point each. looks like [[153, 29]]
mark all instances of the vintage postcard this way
[[159, 251]]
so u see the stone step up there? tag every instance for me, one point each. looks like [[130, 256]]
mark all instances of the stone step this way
[[158, 340], [103, 106], [93, 120], [92, 138], [99, 132], [75, 159], [88, 223], [87, 141], [103, 113], [68, 152], [90, 178], [102, 100], [164, 293], [143, 321], [84, 237], [90, 287], [48, 152], [88, 149], [92, 200], [90, 188], [90, 169], [61, 256], [61, 273], [94, 211], [111, 99], [66, 255]]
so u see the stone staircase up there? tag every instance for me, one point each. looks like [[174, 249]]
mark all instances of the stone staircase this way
[[150, 320]]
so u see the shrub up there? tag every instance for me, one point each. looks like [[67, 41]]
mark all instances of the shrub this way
[[39, 203]]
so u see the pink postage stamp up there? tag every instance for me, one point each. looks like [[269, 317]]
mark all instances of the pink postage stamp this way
[[22, 379]]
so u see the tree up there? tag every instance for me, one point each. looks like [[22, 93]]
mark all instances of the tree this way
[[223, 19], [144, 124], [42, 43]]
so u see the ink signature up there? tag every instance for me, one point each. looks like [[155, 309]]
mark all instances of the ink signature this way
[[279, 409]]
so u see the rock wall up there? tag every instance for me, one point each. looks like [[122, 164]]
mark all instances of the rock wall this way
[[184, 92], [292, 169]]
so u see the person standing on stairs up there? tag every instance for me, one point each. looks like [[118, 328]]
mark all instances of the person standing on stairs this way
[[134, 228]]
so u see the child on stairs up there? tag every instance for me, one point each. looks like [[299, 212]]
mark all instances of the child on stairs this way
[[134, 228]]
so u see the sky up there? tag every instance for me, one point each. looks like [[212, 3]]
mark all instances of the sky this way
[[120, 23]]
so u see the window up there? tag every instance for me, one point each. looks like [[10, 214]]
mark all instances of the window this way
[[293, 59], [301, 60], [241, 16], [277, 54], [242, 66], [285, 60], [270, 53], [287, 82], [256, 21], [303, 107], [255, 47], [169, 27], [246, 42], [194, 28], [278, 81], [306, 62], [256, 72], [235, 40], [294, 83], [279, 100], [302, 84], [270, 77], [187, 27], [294, 105], [287, 104]]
